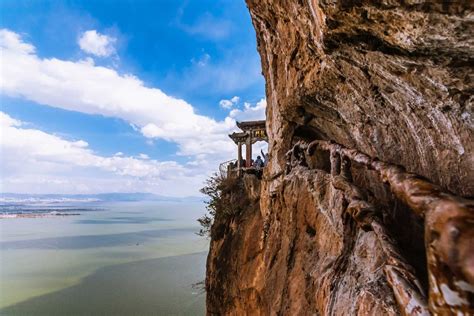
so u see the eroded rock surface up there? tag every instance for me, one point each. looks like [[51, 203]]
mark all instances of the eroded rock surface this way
[[332, 235]]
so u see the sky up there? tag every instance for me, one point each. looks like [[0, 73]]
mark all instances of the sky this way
[[123, 96]]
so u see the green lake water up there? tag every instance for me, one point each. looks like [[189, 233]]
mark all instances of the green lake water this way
[[124, 259]]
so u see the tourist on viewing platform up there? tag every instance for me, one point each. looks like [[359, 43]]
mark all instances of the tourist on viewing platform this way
[[259, 163]]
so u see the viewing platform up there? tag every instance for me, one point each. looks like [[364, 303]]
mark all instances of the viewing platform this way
[[251, 132]]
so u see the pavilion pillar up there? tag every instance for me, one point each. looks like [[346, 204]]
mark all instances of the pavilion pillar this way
[[248, 151], [239, 155]]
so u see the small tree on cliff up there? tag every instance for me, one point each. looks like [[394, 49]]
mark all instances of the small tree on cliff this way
[[226, 197]]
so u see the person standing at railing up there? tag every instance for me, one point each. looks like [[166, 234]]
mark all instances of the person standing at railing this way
[[259, 163]]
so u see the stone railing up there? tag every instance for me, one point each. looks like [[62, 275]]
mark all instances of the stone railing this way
[[449, 228], [225, 166], [229, 168]]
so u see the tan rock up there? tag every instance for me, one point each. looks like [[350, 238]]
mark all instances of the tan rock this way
[[390, 83]]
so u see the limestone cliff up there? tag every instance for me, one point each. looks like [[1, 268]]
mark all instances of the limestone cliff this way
[[364, 208]]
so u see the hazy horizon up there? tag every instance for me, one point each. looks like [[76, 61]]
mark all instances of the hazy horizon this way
[[106, 196]]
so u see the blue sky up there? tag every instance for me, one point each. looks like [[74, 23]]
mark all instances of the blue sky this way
[[123, 96]]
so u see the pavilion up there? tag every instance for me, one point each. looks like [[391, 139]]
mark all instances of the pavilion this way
[[252, 131]]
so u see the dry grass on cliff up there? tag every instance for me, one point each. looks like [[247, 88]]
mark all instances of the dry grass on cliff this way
[[227, 197]]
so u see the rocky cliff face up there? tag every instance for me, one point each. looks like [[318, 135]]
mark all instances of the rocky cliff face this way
[[364, 206]]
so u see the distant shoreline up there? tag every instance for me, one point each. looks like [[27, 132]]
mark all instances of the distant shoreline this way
[[36, 215]]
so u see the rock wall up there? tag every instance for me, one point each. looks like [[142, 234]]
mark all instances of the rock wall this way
[[389, 79]]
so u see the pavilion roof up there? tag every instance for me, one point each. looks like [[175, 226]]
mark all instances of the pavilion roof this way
[[248, 125], [240, 136], [253, 130]]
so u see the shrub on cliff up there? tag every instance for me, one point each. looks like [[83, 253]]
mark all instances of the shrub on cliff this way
[[227, 197]]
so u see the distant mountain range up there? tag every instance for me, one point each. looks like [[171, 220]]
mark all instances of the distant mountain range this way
[[102, 197]]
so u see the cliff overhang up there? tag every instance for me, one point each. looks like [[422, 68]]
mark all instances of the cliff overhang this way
[[364, 206]]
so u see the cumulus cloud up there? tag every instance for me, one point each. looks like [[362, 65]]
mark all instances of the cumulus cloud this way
[[227, 104], [6, 120], [31, 157], [14, 43], [97, 44], [143, 156], [235, 99], [84, 87], [249, 112]]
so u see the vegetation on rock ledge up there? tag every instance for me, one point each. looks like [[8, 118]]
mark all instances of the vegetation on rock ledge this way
[[227, 197]]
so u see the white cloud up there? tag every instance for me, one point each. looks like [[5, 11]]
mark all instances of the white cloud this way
[[84, 87], [6, 120], [37, 162], [14, 43], [97, 44], [209, 27], [143, 156], [249, 112], [227, 104]]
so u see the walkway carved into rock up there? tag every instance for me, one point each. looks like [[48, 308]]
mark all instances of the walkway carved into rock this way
[[449, 228]]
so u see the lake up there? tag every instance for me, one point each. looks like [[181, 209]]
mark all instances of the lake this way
[[122, 258]]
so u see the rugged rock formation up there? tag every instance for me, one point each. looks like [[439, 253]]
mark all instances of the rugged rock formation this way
[[362, 97]]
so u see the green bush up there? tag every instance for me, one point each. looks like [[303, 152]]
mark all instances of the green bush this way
[[227, 197]]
